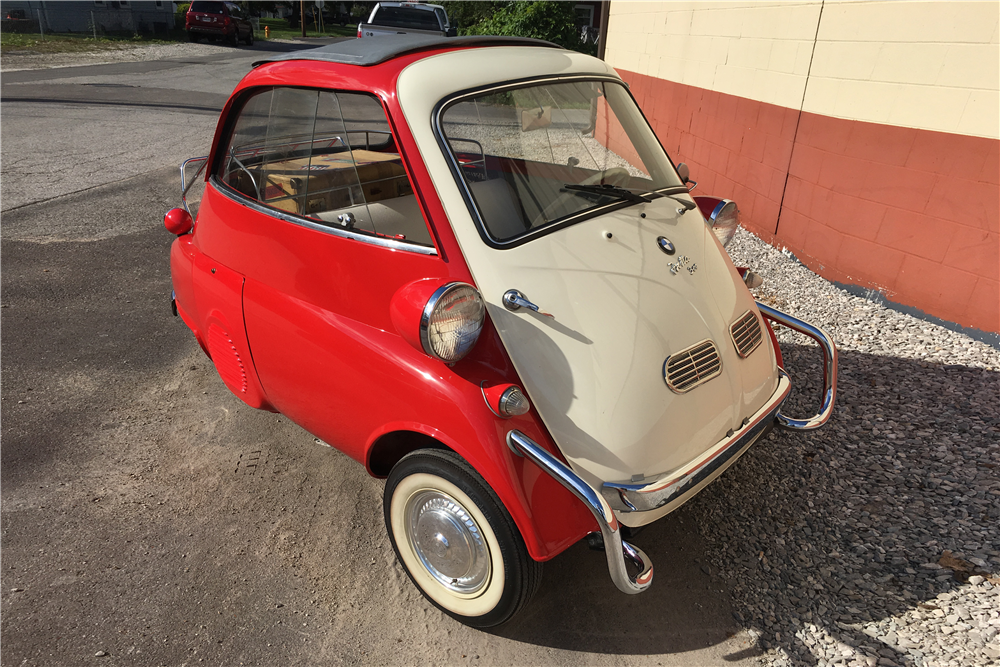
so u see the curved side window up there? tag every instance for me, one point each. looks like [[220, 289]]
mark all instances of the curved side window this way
[[328, 157]]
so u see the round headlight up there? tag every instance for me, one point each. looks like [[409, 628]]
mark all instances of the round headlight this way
[[451, 321], [724, 220]]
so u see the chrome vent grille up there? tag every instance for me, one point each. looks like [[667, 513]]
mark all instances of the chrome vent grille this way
[[685, 370], [746, 334]]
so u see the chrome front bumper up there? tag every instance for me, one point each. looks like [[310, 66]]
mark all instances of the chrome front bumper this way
[[618, 551], [648, 496]]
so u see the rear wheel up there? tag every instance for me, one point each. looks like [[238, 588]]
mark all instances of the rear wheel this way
[[456, 541], [249, 39], [192, 37], [234, 39]]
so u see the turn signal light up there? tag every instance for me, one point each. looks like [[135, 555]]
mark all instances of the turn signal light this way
[[506, 400]]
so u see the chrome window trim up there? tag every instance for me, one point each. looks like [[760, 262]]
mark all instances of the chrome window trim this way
[[392, 244], [470, 201]]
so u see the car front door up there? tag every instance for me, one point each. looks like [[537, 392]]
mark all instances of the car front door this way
[[320, 217]]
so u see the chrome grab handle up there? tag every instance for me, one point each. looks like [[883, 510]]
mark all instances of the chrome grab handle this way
[[616, 550], [185, 183], [514, 300], [826, 343]]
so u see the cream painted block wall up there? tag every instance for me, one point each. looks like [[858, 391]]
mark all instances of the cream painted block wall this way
[[931, 65]]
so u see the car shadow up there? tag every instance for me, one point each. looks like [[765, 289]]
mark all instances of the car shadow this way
[[830, 531]]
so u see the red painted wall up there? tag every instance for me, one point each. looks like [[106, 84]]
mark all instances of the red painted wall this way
[[913, 213]]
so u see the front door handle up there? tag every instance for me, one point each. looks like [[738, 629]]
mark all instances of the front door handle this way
[[514, 300]]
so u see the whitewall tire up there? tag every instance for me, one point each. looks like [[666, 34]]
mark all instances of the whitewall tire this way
[[456, 541]]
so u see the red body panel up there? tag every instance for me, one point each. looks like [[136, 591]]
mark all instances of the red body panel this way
[[308, 314]]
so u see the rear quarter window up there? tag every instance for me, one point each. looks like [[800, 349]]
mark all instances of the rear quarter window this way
[[327, 157]]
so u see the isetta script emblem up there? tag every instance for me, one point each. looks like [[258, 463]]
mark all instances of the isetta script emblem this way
[[683, 262]]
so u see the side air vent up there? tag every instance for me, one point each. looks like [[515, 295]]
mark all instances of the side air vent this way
[[227, 359], [685, 370], [746, 334]]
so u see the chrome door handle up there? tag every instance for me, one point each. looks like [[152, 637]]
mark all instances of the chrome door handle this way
[[514, 300]]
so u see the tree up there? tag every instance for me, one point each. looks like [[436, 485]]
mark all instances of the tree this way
[[551, 21]]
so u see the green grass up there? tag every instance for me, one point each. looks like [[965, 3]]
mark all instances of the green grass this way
[[69, 42], [11, 42], [280, 30]]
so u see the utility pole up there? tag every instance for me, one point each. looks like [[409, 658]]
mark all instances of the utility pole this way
[[302, 16]]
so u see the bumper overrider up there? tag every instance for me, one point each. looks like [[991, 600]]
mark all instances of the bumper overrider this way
[[630, 568]]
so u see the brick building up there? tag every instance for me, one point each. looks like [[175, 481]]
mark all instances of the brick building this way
[[862, 136]]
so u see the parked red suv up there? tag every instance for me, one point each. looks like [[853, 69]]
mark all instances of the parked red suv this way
[[218, 20]]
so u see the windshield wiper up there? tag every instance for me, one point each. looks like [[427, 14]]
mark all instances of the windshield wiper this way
[[608, 190], [626, 194]]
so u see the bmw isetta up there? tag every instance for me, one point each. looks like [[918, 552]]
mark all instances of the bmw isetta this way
[[470, 265]]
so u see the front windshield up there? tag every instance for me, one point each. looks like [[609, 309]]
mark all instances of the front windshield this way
[[543, 156]]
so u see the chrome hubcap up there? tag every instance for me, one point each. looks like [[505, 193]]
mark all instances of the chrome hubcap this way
[[447, 541]]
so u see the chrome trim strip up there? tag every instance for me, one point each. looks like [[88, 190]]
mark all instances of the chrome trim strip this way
[[617, 551], [826, 343], [392, 244], [631, 497]]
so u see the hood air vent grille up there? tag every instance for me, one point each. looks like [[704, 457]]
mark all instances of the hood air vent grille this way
[[689, 368], [746, 334]]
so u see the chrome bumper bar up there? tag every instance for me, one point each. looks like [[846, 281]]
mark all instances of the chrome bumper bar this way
[[628, 497], [651, 495], [618, 551], [829, 369]]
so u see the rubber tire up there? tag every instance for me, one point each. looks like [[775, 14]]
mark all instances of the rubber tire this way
[[249, 40], [521, 574], [193, 37], [234, 39]]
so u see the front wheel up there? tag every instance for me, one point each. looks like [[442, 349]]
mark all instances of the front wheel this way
[[456, 541]]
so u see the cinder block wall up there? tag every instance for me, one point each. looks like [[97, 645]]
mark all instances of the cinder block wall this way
[[863, 136]]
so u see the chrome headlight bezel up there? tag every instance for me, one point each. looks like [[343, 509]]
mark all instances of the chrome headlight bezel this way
[[724, 221], [444, 297]]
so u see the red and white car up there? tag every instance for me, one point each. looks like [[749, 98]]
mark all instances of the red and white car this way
[[470, 265]]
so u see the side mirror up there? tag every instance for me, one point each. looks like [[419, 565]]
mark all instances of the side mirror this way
[[178, 221], [684, 172], [451, 32]]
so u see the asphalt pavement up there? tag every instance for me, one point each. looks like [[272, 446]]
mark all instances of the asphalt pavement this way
[[147, 516]]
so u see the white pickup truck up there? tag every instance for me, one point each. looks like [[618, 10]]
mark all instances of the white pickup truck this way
[[399, 18]]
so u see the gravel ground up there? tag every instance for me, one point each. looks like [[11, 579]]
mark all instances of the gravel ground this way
[[873, 540]]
